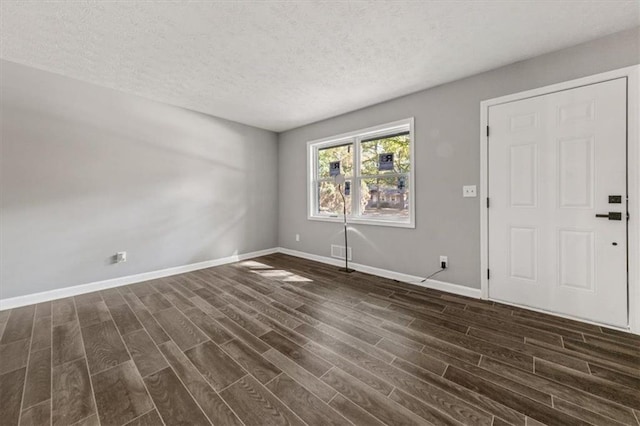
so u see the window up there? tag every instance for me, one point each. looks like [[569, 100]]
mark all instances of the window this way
[[377, 164]]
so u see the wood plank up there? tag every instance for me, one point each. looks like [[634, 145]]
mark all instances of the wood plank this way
[[112, 297], [295, 313], [504, 325], [302, 376], [208, 325], [144, 352], [178, 300], [531, 408], [400, 379], [91, 313], [41, 333], [134, 302], [394, 337], [152, 418], [297, 353], [239, 332], [276, 314], [11, 388], [521, 388], [479, 404], [37, 415], [251, 361], [385, 314], [120, 394], [356, 343], [283, 330], [210, 297], [213, 406], [482, 347], [92, 420], [245, 321], [90, 298], [162, 285], [180, 329], [43, 310], [155, 302], [595, 385], [142, 289], [38, 382], [152, 327], [432, 343], [124, 318], [362, 374], [173, 402], [14, 355], [617, 356], [215, 365], [103, 346], [418, 358], [615, 377], [610, 345], [353, 413], [369, 400], [306, 405], [63, 310], [588, 358], [583, 413], [256, 405], [557, 356], [18, 325], [425, 411], [72, 399], [67, 343], [596, 404]]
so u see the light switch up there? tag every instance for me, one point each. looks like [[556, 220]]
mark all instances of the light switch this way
[[469, 191]]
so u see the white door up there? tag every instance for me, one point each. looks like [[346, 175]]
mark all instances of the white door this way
[[554, 162]]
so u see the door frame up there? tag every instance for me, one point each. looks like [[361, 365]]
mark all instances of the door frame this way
[[632, 75]]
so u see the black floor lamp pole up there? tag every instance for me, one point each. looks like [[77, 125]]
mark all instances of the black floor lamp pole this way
[[346, 243]]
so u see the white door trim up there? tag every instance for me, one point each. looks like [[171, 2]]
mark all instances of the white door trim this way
[[632, 74]]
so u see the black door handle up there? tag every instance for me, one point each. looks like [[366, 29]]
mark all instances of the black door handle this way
[[611, 215]]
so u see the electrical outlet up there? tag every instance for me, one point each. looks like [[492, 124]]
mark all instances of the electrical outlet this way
[[444, 262], [469, 191], [121, 256], [297, 237]]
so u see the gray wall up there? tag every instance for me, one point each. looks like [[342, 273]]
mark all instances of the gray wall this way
[[88, 171], [447, 132]]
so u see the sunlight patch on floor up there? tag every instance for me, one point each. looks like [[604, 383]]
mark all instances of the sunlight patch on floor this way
[[282, 275]]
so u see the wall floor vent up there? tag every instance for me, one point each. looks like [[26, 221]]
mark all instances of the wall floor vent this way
[[338, 252]]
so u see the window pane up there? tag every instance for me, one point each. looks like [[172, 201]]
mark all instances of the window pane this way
[[330, 201], [383, 197], [342, 153], [397, 145]]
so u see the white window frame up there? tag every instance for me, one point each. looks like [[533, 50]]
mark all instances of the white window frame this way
[[355, 137]]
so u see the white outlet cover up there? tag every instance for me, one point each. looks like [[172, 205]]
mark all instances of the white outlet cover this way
[[469, 191]]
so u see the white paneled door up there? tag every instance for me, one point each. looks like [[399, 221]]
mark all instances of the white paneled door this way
[[558, 209]]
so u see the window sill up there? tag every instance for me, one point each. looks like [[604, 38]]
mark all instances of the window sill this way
[[361, 221]]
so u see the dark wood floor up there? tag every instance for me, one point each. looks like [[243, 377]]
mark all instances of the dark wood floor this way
[[280, 340]]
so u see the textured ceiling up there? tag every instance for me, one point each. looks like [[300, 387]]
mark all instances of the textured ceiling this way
[[283, 64]]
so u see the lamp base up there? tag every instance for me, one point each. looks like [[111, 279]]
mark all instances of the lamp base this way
[[347, 270]]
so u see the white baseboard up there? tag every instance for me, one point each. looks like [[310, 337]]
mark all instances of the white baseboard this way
[[385, 273], [60, 293], [45, 296]]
